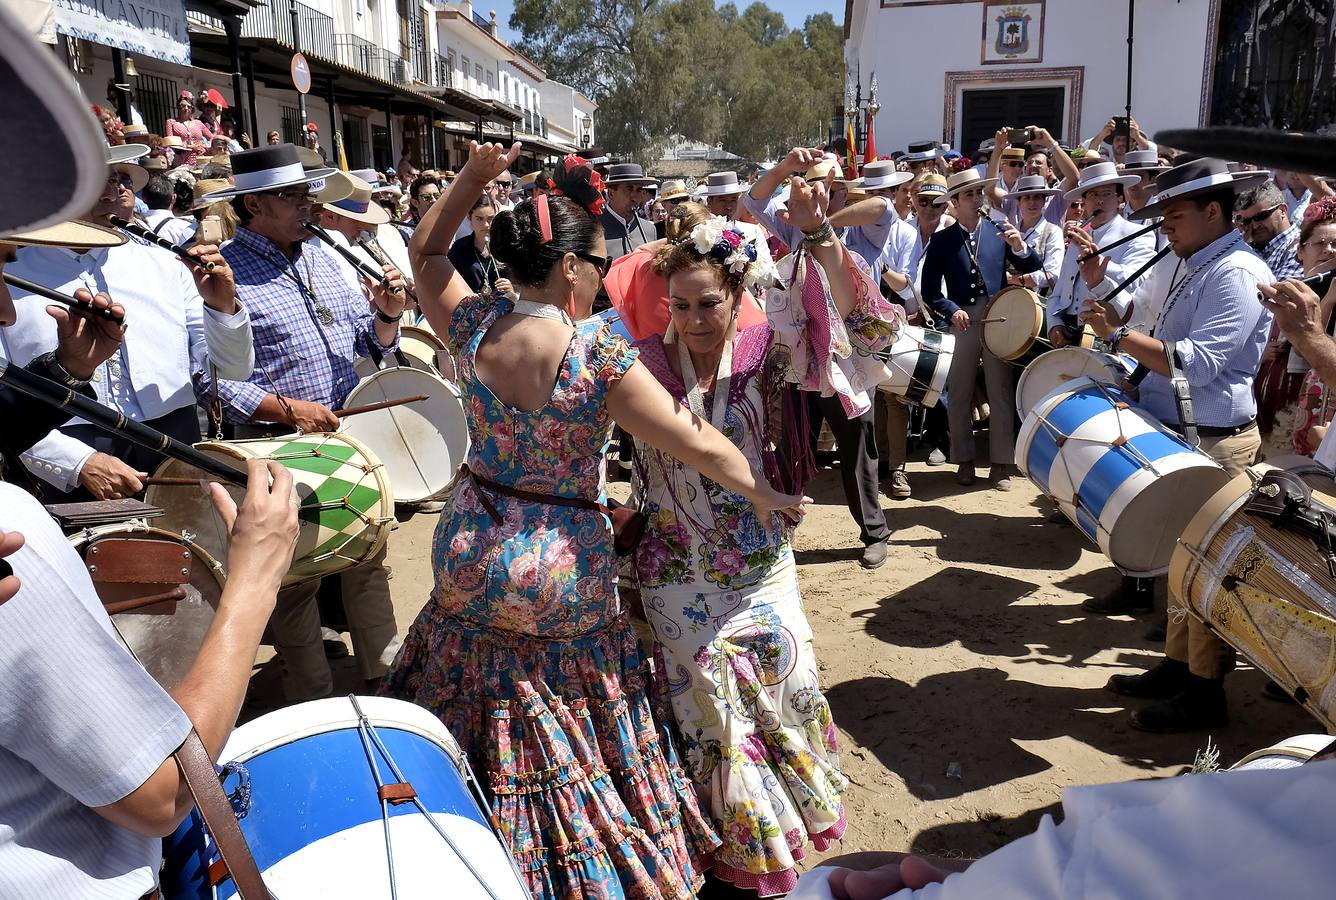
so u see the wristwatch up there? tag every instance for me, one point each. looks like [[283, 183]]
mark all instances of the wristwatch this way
[[50, 367], [389, 320]]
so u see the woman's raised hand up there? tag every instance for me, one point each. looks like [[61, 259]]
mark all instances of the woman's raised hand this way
[[489, 160], [806, 207]]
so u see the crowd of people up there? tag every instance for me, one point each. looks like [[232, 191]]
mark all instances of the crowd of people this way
[[714, 339]]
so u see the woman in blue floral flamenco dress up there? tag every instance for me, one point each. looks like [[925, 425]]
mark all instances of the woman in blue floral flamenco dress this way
[[524, 650], [717, 574]]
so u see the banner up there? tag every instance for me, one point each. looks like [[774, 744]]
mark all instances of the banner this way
[[155, 28]]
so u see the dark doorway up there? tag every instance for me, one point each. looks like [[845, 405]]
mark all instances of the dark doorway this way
[[984, 111]]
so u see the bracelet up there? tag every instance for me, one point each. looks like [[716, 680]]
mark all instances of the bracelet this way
[[824, 233], [387, 319], [1114, 339], [59, 373]]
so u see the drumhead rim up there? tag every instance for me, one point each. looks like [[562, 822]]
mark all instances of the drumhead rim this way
[[138, 526]]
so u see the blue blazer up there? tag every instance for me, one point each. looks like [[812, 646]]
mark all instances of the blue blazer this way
[[948, 257]]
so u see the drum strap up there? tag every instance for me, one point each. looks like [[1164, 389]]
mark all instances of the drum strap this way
[[1178, 383], [216, 810]]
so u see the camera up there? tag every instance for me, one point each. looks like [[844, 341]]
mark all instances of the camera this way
[[1122, 126]]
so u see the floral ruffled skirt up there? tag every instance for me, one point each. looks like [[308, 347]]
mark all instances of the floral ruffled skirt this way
[[755, 730], [585, 784]]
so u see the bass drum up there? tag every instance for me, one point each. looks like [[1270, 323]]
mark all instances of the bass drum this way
[[421, 444], [315, 823], [1056, 368], [1265, 590], [165, 634], [917, 364], [1287, 754], [419, 348]]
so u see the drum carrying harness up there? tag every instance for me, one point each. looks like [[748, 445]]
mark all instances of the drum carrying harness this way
[[1284, 499]]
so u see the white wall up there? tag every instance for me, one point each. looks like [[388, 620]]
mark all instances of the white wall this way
[[912, 48]]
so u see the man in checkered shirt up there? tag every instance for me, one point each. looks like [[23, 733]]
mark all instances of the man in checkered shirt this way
[[308, 326]]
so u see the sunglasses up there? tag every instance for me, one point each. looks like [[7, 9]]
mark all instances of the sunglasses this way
[[1014, 164], [121, 181], [290, 196], [924, 201], [1262, 216], [602, 263]]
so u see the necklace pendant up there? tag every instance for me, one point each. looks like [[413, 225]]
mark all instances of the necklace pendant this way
[[324, 314]]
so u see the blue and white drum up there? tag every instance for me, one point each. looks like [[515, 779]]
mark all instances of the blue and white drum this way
[[1059, 367], [917, 364], [314, 819], [614, 320], [1128, 483]]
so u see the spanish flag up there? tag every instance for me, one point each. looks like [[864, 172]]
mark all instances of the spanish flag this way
[[851, 169]]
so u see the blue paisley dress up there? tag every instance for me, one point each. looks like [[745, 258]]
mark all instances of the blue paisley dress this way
[[526, 655]]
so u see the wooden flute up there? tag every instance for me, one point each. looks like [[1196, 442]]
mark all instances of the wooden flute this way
[[140, 231], [358, 264], [32, 287]]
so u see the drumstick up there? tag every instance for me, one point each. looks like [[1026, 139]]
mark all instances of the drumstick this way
[[141, 231], [1118, 243], [169, 481], [24, 284], [993, 319], [383, 404]]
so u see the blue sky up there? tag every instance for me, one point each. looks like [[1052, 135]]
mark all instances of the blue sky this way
[[795, 11]]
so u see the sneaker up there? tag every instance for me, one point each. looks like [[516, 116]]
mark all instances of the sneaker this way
[[965, 474], [1000, 476], [936, 458], [899, 485], [1166, 679], [1201, 704], [874, 555]]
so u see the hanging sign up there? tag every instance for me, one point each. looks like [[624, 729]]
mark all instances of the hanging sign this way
[[155, 28]]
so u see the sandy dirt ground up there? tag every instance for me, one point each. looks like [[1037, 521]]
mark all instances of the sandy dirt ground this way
[[965, 680]]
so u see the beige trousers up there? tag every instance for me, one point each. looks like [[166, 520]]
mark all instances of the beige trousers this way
[[1000, 380], [294, 629], [892, 429], [1188, 639]]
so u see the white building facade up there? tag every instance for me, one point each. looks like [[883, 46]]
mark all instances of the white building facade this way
[[955, 71], [569, 114]]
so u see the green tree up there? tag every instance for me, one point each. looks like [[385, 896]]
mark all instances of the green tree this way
[[682, 67]]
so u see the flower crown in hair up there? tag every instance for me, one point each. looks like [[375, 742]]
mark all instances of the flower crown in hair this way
[[718, 238], [1323, 210]]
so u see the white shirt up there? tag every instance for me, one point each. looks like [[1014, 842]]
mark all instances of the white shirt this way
[[392, 242], [350, 273], [1046, 239], [174, 228], [1070, 291], [1227, 836], [81, 725], [172, 335]]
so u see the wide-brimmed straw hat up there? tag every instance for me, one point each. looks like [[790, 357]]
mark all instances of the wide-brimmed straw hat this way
[[74, 233], [353, 199], [1032, 186], [1098, 175], [829, 163], [270, 168], [172, 142], [1192, 179], [48, 135], [920, 151], [723, 184], [964, 181], [674, 189], [881, 174]]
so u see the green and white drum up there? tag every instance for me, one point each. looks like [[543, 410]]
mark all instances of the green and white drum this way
[[347, 504]]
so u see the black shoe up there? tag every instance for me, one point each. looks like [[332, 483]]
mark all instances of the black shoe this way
[[1132, 596], [874, 555], [1201, 704], [335, 649], [1165, 680], [1158, 630], [1275, 692]]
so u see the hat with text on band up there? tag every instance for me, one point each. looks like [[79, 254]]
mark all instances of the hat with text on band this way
[[1192, 179], [49, 136], [967, 180], [931, 185], [882, 174], [344, 194], [922, 151], [723, 184], [1143, 162], [1032, 186], [1099, 175], [270, 168]]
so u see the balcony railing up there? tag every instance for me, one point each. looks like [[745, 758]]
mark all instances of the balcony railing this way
[[482, 22], [442, 74], [273, 19], [364, 56]]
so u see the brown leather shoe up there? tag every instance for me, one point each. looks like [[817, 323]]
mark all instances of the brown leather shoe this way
[[1166, 679]]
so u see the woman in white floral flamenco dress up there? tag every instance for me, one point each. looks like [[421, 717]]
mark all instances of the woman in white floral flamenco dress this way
[[718, 580]]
